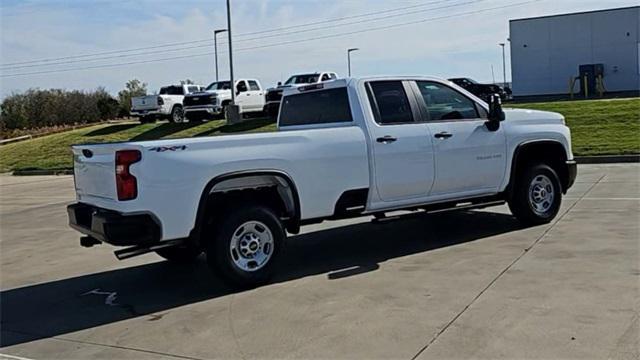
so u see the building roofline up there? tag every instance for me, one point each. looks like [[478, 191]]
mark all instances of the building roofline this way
[[576, 13]]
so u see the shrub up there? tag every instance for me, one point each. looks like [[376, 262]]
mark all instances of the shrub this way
[[36, 108]]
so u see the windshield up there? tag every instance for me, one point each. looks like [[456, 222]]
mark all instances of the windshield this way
[[302, 79], [220, 85]]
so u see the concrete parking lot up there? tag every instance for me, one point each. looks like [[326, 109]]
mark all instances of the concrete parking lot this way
[[453, 285]]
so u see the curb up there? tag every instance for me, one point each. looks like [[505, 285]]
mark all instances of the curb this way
[[28, 172], [607, 159]]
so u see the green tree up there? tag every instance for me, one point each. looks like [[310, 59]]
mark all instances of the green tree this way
[[131, 89]]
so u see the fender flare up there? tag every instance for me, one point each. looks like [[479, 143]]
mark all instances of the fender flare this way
[[293, 225], [518, 151]]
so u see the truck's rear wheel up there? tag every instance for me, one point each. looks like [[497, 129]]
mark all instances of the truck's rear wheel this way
[[246, 245], [180, 254], [537, 195], [177, 114]]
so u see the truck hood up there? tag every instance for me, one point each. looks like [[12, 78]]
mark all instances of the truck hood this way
[[282, 87], [533, 116]]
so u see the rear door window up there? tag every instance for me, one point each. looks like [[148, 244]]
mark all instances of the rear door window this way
[[253, 86], [391, 103], [445, 103], [317, 107]]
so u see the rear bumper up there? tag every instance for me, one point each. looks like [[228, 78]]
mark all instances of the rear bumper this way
[[150, 112], [113, 227], [572, 173]]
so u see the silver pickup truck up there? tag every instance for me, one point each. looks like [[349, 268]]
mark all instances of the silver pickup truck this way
[[167, 104]]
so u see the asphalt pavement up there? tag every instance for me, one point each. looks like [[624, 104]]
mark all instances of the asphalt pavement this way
[[471, 284]]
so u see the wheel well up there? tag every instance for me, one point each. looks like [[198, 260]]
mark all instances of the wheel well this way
[[551, 153], [273, 189], [226, 102]]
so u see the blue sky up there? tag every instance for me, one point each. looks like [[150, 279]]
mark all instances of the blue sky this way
[[455, 45]]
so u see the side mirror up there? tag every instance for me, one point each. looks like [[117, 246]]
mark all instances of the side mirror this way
[[496, 114], [279, 83]]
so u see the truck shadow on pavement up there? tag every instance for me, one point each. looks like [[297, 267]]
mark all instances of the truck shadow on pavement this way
[[69, 305]]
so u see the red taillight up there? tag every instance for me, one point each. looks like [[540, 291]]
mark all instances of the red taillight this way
[[160, 101], [125, 182]]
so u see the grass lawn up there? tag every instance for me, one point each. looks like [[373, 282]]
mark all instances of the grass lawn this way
[[53, 151], [598, 127]]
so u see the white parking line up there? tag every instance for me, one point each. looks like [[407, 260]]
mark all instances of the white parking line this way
[[13, 357], [605, 198]]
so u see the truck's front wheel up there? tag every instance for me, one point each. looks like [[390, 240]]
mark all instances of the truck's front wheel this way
[[246, 246], [537, 195], [177, 115]]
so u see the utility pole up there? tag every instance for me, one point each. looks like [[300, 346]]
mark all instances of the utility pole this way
[[349, 58], [232, 83], [504, 68], [215, 45], [493, 76]]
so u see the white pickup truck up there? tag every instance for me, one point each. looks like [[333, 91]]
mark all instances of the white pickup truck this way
[[344, 148], [213, 101], [167, 104], [274, 95]]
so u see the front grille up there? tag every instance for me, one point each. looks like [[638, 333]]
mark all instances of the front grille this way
[[274, 95], [198, 100]]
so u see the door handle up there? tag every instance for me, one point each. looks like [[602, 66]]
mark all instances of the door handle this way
[[443, 135], [386, 139]]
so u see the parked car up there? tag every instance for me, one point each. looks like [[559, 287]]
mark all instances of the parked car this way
[[344, 148], [483, 91], [167, 104], [274, 95], [213, 101]]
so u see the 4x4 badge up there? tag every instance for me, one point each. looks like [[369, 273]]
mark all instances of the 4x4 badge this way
[[168, 148]]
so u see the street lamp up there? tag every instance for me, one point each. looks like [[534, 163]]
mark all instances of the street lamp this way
[[349, 58], [215, 45], [504, 68], [231, 83]]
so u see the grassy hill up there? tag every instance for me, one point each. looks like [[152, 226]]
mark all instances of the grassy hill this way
[[598, 127]]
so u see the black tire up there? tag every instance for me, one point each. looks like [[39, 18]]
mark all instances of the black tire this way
[[177, 115], [220, 255], [194, 117], [225, 112], [180, 254], [527, 204]]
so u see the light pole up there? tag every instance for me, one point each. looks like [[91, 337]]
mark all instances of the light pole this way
[[349, 58], [232, 83], [215, 45], [504, 68]]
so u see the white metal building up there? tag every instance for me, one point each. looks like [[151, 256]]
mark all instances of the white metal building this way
[[546, 51]]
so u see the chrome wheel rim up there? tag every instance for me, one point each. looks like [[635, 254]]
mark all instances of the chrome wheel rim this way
[[178, 115], [251, 246], [541, 194]]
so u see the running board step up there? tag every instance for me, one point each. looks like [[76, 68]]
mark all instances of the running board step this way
[[141, 250], [381, 218]]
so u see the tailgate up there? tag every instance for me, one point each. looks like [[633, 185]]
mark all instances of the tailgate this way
[[149, 102], [94, 171]]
